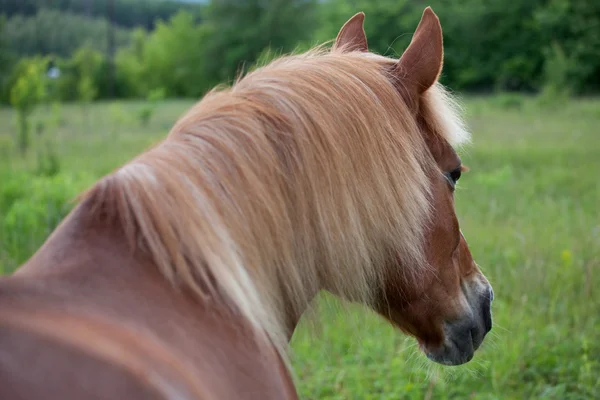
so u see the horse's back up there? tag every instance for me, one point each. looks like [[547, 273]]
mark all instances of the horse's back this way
[[50, 350], [35, 366]]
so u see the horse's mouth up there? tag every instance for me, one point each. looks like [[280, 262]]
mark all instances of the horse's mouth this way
[[463, 337], [455, 350]]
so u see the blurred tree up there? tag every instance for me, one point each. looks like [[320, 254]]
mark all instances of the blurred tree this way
[[389, 24], [130, 66], [574, 27], [58, 33], [128, 13], [29, 90], [241, 29], [7, 60], [83, 76], [490, 45], [174, 58], [170, 58]]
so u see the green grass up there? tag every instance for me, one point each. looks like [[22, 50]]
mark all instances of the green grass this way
[[529, 210]]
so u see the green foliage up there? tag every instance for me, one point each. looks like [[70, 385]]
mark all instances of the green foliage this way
[[87, 62], [83, 76], [147, 110], [56, 120], [173, 57], [58, 33], [170, 58], [30, 87], [508, 101], [130, 66], [240, 31], [30, 208], [86, 90], [7, 61], [47, 160], [127, 13], [6, 150], [29, 90], [48, 163], [573, 26], [557, 85], [490, 45]]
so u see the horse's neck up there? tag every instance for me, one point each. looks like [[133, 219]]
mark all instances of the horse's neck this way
[[96, 257], [89, 262], [80, 247], [87, 267]]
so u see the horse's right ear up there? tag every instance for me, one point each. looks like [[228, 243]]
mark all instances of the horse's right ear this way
[[352, 36], [421, 64]]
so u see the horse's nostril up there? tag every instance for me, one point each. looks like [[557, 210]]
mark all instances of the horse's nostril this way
[[488, 323], [487, 312]]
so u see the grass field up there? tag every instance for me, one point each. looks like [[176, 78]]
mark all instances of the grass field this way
[[529, 209]]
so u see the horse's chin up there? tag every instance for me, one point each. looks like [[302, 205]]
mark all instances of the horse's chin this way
[[462, 339], [454, 351]]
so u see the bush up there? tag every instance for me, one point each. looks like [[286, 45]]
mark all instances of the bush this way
[[30, 209], [7, 61], [491, 45], [47, 161], [130, 68], [170, 58], [29, 90], [557, 85], [82, 76], [147, 111], [60, 33], [6, 149], [508, 101]]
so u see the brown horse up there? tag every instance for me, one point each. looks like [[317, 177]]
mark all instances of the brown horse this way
[[183, 274]]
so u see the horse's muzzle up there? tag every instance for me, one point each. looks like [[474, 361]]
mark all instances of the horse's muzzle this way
[[464, 336]]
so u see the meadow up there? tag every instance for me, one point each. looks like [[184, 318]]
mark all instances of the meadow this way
[[528, 208]]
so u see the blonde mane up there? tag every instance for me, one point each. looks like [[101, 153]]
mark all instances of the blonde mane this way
[[308, 173]]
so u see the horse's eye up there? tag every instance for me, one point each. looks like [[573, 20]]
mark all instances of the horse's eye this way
[[455, 175]]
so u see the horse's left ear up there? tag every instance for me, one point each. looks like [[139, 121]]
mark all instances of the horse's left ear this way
[[352, 36], [421, 64]]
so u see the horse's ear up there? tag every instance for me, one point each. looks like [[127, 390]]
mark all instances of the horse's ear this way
[[352, 36], [421, 64]]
